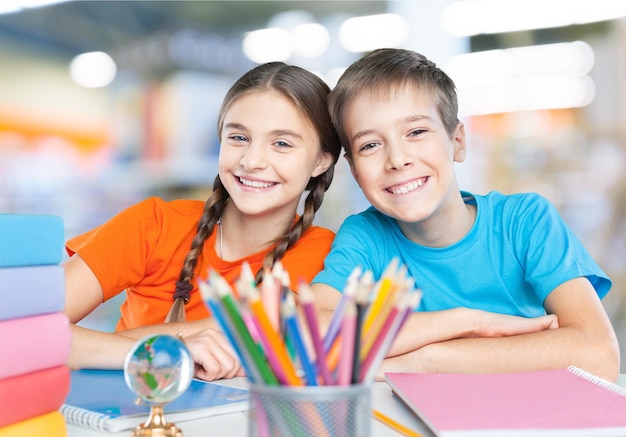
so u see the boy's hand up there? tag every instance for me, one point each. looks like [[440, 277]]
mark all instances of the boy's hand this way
[[489, 324]]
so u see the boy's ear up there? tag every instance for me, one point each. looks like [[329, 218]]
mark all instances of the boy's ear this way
[[459, 144], [351, 164], [323, 163]]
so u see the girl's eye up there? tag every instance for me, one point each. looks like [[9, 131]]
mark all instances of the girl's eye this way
[[282, 144], [367, 147]]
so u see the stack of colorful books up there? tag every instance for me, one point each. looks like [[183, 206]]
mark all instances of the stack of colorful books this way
[[35, 335]]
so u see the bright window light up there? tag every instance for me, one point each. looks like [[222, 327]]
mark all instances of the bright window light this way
[[266, 45], [93, 69], [310, 40], [473, 17], [8, 6], [553, 92], [500, 66], [362, 34]]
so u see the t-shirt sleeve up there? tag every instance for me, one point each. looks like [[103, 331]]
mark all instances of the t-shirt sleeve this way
[[552, 254], [306, 258], [354, 246], [117, 251]]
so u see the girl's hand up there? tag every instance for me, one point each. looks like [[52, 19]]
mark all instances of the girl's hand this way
[[213, 355], [489, 324]]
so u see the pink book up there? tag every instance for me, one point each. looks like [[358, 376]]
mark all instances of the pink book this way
[[565, 402], [33, 394], [33, 343]]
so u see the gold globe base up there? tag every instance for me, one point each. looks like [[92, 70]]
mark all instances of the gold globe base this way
[[157, 426]]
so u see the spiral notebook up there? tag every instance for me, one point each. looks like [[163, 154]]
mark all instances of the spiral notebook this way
[[101, 400], [564, 402]]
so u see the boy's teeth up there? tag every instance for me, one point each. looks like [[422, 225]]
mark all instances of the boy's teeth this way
[[408, 187], [255, 184]]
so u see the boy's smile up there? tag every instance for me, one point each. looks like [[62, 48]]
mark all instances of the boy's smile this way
[[403, 159], [408, 187]]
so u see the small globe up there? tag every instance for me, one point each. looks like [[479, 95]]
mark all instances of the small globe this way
[[158, 369]]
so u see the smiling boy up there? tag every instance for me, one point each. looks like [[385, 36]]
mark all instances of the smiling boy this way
[[396, 114]]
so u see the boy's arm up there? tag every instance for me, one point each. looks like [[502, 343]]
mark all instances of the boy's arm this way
[[585, 338], [424, 328]]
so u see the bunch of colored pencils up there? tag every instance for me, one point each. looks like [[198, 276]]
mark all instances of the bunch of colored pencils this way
[[263, 327]]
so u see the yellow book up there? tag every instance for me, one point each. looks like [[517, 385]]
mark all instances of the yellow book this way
[[49, 425]]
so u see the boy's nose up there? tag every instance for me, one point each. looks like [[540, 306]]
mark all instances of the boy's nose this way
[[398, 156]]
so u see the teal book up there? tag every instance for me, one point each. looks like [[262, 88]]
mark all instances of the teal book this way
[[31, 239], [101, 400]]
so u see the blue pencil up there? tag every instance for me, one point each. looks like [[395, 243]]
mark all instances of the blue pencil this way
[[293, 332]]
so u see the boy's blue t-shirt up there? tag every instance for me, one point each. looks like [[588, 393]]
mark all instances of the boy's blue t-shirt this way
[[518, 250]]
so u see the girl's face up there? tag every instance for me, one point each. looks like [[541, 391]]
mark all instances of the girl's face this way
[[402, 156], [269, 151]]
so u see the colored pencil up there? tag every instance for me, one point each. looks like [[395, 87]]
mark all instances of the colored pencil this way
[[396, 288], [293, 332], [275, 348], [246, 279], [335, 322], [224, 292], [270, 296], [361, 301], [396, 426], [411, 301], [306, 301], [382, 289], [348, 331]]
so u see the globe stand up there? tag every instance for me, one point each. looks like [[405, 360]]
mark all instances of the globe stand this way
[[158, 369], [156, 425]]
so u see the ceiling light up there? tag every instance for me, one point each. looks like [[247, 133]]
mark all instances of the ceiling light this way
[[506, 65], [93, 69], [310, 40], [362, 34], [266, 45], [473, 17]]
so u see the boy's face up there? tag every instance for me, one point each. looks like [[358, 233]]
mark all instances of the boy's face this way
[[402, 156]]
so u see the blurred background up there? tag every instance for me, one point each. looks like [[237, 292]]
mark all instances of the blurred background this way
[[104, 103]]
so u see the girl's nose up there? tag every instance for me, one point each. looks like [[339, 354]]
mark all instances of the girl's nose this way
[[254, 157]]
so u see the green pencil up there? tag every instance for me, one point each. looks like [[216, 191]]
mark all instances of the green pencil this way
[[223, 290]]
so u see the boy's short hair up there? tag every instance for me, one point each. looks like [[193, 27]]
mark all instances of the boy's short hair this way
[[382, 71]]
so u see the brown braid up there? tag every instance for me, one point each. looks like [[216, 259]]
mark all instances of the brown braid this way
[[213, 209]]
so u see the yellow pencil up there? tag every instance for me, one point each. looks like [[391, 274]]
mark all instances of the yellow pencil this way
[[386, 282], [396, 426]]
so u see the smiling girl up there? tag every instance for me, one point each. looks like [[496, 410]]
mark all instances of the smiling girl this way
[[277, 141]]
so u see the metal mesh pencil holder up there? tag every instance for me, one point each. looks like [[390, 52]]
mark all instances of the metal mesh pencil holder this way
[[320, 411]]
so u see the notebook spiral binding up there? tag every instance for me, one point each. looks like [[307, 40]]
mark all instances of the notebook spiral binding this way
[[597, 380]]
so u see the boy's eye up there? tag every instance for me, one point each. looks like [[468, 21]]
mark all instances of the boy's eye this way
[[416, 132], [237, 137]]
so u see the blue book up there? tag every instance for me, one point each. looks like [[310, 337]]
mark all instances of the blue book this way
[[101, 400], [31, 239], [31, 291]]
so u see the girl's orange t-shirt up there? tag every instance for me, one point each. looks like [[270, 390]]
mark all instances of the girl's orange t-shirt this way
[[142, 249]]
